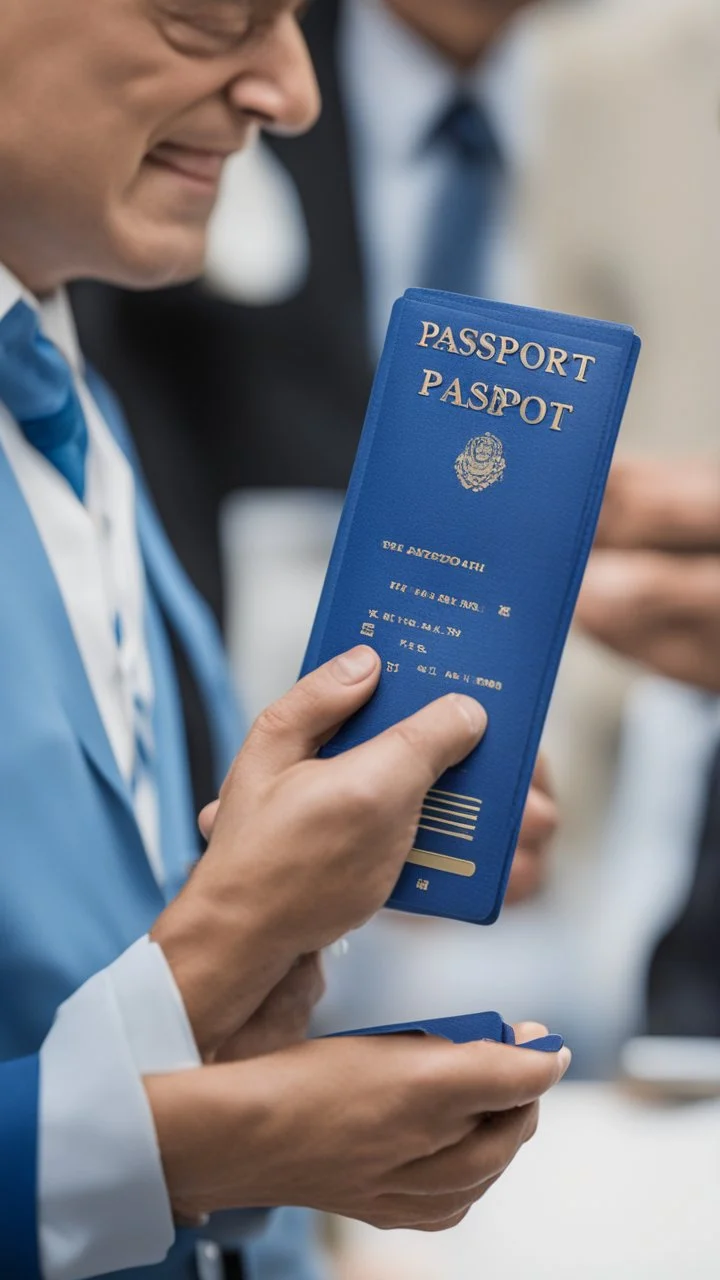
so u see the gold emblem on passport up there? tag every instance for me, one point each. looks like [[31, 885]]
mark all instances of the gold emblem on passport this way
[[481, 463]]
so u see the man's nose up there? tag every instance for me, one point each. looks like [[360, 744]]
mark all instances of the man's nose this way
[[280, 88]]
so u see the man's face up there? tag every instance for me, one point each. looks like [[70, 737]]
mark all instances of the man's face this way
[[116, 118]]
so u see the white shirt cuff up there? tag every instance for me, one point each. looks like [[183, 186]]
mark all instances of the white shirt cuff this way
[[157, 1027], [103, 1205]]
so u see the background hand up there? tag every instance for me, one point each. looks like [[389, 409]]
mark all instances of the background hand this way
[[540, 822], [652, 587]]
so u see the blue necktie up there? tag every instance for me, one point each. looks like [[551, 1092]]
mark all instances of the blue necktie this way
[[37, 386], [462, 218]]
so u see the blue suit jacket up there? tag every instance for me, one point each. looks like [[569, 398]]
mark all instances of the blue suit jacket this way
[[76, 888]]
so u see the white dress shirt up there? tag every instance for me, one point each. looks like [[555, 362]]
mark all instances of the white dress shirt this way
[[103, 1204]]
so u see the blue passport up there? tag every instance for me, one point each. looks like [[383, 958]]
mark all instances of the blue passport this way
[[461, 549], [462, 1029]]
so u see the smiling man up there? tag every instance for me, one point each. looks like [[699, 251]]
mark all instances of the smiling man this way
[[151, 1072], [124, 112]]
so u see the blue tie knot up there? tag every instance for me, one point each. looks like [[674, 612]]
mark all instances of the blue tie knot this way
[[467, 128], [36, 385]]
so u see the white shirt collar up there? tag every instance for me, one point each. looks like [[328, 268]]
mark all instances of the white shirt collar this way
[[398, 85], [55, 313]]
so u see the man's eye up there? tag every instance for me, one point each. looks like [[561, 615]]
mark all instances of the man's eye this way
[[205, 27]]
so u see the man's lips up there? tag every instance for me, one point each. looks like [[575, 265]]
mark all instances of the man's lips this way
[[203, 166]]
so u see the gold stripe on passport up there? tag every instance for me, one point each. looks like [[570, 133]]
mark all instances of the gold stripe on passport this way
[[441, 862], [456, 795]]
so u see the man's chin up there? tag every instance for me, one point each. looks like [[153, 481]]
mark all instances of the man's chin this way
[[171, 255]]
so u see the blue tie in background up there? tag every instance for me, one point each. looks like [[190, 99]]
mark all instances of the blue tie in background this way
[[462, 219], [37, 386]]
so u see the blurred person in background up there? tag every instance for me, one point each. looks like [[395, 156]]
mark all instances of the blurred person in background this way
[[652, 594], [617, 212], [618, 215]]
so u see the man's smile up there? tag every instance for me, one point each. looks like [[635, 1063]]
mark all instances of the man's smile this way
[[200, 165]]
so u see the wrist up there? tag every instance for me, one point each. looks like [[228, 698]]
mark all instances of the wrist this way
[[225, 960], [218, 1133]]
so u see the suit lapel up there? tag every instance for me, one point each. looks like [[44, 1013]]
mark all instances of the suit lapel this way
[[28, 579], [194, 626], [184, 609]]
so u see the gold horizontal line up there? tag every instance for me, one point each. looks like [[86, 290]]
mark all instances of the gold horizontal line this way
[[443, 831], [450, 813], [454, 804], [436, 791], [441, 862], [447, 822]]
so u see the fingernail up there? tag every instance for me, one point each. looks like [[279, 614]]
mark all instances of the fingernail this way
[[355, 665], [474, 713]]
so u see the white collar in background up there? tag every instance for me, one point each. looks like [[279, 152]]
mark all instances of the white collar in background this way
[[56, 316], [396, 85]]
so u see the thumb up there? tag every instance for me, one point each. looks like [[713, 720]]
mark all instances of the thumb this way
[[206, 818], [297, 725]]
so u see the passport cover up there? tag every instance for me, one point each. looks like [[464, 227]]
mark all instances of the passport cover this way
[[463, 1029], [464, 536]]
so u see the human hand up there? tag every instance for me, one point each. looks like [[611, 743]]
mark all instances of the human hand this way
[[283, 1017], [302, 849], [540, 822], [652, 587], [397, 1131]]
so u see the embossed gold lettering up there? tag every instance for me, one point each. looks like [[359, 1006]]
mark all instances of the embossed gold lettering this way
[[429, 330], [453, 392], [560, 411], [557, 357], [508, 347], [584, 362], [541, 412], [432, 379], [486, 344], [446, 342], [478, 391], [525, 356], [468, 339]]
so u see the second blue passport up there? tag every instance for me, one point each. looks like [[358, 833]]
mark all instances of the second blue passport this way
[[464, 536]]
